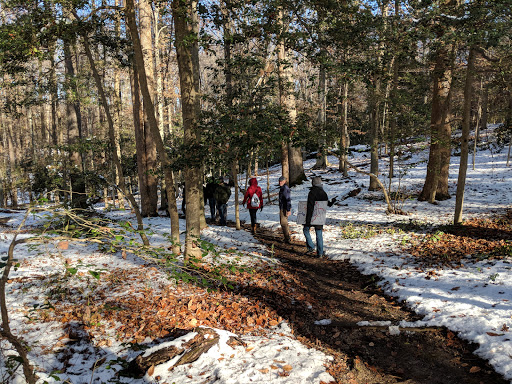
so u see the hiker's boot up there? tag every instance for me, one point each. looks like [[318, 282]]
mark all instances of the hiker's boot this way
[[253, 229]]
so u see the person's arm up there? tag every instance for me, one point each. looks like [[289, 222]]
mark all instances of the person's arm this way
[[288, 198]]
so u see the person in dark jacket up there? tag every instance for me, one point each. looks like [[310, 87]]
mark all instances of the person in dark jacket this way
[[209, 197], [254, 198], [222, 194], [285, 208], [316, 193]]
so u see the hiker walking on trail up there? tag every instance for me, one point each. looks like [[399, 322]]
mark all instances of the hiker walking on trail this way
[[254, 198], [222, 194], [316, 193], [285, 207]]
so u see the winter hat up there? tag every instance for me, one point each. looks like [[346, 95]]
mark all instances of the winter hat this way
[[282, 178], [316, 181]]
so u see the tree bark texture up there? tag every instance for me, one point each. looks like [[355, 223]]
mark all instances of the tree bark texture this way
[[345, 138], [149, 198], [149, 110], [74, 132], [436, 180], [291, 157], [464, 145], [321, 160], [187, 50]]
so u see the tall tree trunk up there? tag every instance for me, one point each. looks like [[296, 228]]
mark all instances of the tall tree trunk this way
[[149, 110], [345, 138], [74, 131], [291, 156], [285, 163], [112, 137], [296, 165], [228, 41], [482, 116], [234, 170], [116, 115], [374, 134], [187, 49], [464, 144], [321, 160], [281, 57], [375, 105], [394, 103], [159, 75], [508, 120], [149, 197], [436, 180], [485, 106], [11, 166]]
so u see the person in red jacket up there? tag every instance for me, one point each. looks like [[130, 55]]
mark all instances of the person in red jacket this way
[[254, 198]]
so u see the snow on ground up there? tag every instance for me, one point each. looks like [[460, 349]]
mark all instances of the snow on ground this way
[[474, 300]]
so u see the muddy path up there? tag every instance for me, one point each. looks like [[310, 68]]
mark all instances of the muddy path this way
[[366, 354]]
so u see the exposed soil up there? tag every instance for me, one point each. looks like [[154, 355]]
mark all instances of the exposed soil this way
[[366, 354]]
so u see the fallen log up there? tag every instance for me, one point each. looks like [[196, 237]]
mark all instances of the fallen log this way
[[189, 352]]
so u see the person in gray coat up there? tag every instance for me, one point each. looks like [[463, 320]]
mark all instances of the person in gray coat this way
[[316, 193]]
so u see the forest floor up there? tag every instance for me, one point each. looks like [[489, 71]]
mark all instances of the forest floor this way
[[367, 354], [400, 299]]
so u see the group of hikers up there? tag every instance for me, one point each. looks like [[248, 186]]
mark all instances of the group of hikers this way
[[217, 195]]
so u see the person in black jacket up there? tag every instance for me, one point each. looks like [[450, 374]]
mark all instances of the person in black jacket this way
[[209, 197], [285, 208], [222, 193], [316, 193]]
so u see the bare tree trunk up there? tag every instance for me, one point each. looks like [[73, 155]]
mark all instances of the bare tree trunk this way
[[11, 166], [485, 106], [234, 170], [374, 135], [285, 164], [149, 197], [482, 116], [74, 132], [112, 136], [296, 165], [187, 49], [437, 166], [508, 120], [321, 160], [375, 105], [268, 182], [464, 145], [291, 156], [158, 73], [117, 111], [345, 138], [394, 110], [153, 124]]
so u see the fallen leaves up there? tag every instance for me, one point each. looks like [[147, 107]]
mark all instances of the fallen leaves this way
[[154, 312], [475, 238]]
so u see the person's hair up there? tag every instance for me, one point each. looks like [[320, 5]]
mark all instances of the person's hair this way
[[316, 181]]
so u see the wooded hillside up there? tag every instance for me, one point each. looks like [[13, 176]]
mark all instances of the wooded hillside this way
[[107, 100]]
